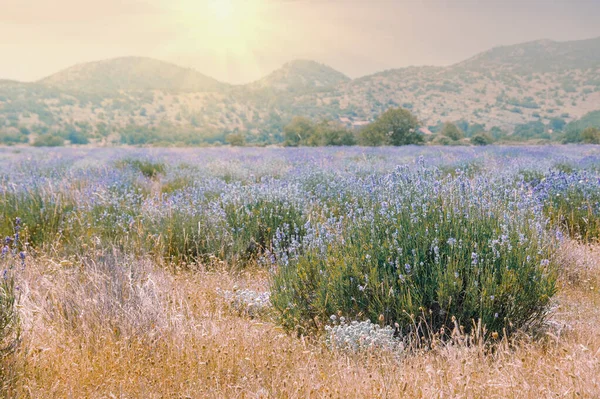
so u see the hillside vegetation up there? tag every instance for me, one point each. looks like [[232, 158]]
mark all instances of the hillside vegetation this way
[[128, 100]]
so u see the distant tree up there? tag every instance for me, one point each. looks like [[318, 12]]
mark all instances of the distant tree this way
[[462, 125], [102, 129], [481, 139], [12, 137], [531, 130], [574, 130], [338, 137], [327, 133], [396, 127], [77, 137], [474, 129], [236, 139], [557, 124], [591, 135], [441, 140], [372, 136], [497, 133], [452, 131], [138, 135], [49, 140], [298, 131]]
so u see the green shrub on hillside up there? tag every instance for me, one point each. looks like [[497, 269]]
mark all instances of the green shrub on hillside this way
[[49, 140]]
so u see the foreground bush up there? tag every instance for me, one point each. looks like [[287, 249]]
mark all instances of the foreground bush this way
[[9, 321], [12, 261], [421, 252]]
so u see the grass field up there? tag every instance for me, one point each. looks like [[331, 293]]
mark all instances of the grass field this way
[[458, 272]]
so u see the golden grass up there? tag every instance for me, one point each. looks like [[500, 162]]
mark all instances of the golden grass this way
[[174, 337]]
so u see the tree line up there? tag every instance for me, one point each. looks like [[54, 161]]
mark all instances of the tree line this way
[[395, 127]]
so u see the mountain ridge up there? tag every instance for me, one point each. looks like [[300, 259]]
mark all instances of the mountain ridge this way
[[538, 56], [559, 49], [131, 73], [504, 87], [302, 74]]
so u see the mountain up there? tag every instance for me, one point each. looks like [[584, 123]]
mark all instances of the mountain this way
[[302, 74], [538, 57], [546, 82], [131, 74]]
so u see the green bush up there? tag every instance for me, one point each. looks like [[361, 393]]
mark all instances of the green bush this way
[[452, 131], [437, 254], [395, 127], [256, 223], [77, 137], [591, 135], [572, 203], [13, 138], [12, 261], [49, 140], [9, 332], [481, 139], [9, 320], [183, 237], [148, 168], [442, 140], [43, 214]]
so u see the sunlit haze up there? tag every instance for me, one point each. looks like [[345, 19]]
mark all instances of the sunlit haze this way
[[239, 41]]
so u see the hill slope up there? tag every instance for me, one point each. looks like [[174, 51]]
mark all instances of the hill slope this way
[[504, 87], [302, 74], [131, 73], [538, 57]]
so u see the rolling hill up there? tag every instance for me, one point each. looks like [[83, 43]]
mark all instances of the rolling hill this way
[[130, 74], [301, 75], [538, 57], [504, 87]]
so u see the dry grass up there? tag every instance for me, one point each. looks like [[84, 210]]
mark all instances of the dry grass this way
[[123, 328]]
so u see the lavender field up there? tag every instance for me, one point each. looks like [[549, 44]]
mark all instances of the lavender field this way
[[371, 272]]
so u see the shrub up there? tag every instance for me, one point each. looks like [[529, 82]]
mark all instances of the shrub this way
[[394, 127], [591, 135], [421, 251], [49, 140], [236, 228], [181, 236], [236, 139], [43, 213], [572, 202], [441, 140], [77, 137], [451, 131], [481, 139], [12, 261], [11, 138], [8, 313], [147, 168], [255, 224]]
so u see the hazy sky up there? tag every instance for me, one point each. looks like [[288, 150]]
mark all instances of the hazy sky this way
[[241, 40]]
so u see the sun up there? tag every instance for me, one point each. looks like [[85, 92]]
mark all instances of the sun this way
[[222, 10], [230, 33], [232, 26]]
